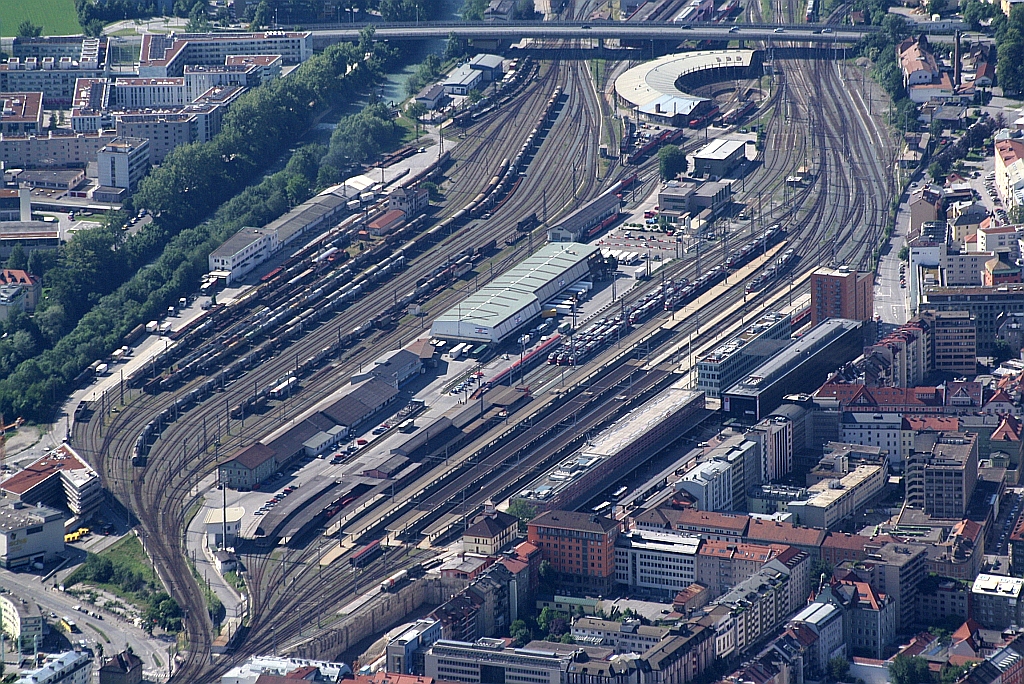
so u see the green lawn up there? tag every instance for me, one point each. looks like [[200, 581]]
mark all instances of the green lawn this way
[[57, 17]]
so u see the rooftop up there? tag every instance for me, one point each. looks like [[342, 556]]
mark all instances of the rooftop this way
[[569, 520], [776, 532], [63, 459], [17, 516], [720, 149], [667, 542], [23, 107], [998, 585], [651, 80], [751, 333]]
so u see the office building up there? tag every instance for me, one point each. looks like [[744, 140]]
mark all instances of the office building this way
[[405, 653], [833, 501], [743, 456], [22, 621], [658, 563], [29, 534], [806, 539], [60, 479], [942, 471], [489, 661], [757, 606], [579, 546], [985, 305], [800, 368], [941, 599], [71, 667], [710, 484], [774, 437], [954, 341], [842, 293], [704, 524], [166, 55], [123, 162], [735, 359], [996, 601], [826, 621]]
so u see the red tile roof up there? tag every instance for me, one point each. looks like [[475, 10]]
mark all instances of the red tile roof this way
[[727, 521], [1008, 430], [845, 540], [931, 423], [784, 533]]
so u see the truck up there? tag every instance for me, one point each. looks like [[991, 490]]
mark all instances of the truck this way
[[165, 328], [152, 326], [102, 369]]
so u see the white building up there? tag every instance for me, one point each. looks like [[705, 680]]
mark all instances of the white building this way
[[882, 430], [662, 562], [775, 437], [249, 672], [826, 621], [123, 162], [29, 534], [832, 501], [462, 80], [710, 483], [624, 637], [243, 251], [22, 621], [71, 667], [475, 663], [215, 526]]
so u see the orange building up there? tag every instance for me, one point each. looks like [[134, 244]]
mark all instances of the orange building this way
[[579, 546], [842, 293]]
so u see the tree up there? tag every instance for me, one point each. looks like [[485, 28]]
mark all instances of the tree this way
[[474, 96], [435, 195], [520, 633], [517, 507], [952, 673], [93, 28], [27, 29], [416, 110], [261, 17], [1001, 351], [1010, 65], [909, 670], [18, 258], [567, 639], [198, 22], [838, 668], [547, 577], [1015, 214], [936, 171], [904, 253], [671, 162]]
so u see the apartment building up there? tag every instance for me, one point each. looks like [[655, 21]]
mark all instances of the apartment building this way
[[489, 661], [894, 569], [123, 162], [722, 565], [625, 637], [842, 293], [774, 436], [997, 601]]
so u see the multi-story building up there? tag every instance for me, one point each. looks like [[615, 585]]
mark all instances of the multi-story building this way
[[29, 534], [21, 113], [894, 569], [806, 539], [983, 304], [22, 621], [243, 251], [962, 554], [722, 565], [703, 524], [71, 667], [882, 430], [833, 501], [54, 73], [405, 652], [60, 479], [579, 546], [164, 55], [682, 656], [942, 471], [123, 162], [735, 359], [871, 624], [710, 484], [625, 637], [489, 661], [942, 599], [997, 601], [842, 293], [123, 668], [756, 607], [743, 457], [662, 563], [954, 341], [52, 149], [826, 621], [774, 436]]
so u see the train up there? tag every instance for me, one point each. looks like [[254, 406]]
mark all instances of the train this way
[[391, 582], [666, 137], [689, 292], [366, 555], [773, 272], [738, 112], [741, 256], [527, 362], [705, 119]]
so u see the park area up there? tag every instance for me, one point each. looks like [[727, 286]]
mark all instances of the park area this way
[[57, 17]]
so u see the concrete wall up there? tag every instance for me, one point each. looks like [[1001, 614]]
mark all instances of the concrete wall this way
[[383, 612]]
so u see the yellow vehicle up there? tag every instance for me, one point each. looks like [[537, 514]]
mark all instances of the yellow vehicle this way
[[72, 537], [67, 624]]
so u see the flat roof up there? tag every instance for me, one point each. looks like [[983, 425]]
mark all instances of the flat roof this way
[[812, 342], [516, 289], [824, 495], [215, 516], [666, 542], [755, 330], [720, 149], [20, 106], [998, 585], [650, 81], [17, 516], [239, 241]]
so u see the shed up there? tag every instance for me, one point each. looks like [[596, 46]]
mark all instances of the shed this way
[[388, 468], [490, 66], [462, 80], [387, 223], [361, 403]]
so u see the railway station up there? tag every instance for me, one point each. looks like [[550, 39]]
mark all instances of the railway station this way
[[626, 444], [510, 301]]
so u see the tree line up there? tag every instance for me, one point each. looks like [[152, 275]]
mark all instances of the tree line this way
[[102, 284]]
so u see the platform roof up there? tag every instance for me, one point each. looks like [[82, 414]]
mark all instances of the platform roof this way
[[650, 81]]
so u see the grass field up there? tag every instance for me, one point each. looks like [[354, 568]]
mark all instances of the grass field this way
[[57, 17]]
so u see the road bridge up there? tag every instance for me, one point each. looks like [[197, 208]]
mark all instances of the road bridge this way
[[601, 30]]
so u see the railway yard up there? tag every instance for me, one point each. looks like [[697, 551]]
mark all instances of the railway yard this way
[[283, 349]]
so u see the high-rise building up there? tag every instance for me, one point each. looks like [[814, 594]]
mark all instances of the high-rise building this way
[[954, 341], [123, 162], [894, 569], [997, 601], [841, 293], [775, 437], [942, 470], [579, 546]]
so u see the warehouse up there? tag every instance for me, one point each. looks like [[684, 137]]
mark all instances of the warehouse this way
[[718, 158], [800, 367], [634, 438], [512, 300]]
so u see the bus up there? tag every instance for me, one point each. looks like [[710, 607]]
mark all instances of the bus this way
[[602, 508], [67, 624], [478, 351], [456, 351]]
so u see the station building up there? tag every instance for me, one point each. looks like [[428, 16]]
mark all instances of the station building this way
[[510, 301]]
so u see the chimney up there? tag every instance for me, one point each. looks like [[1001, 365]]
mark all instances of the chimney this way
[[956, 59]]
